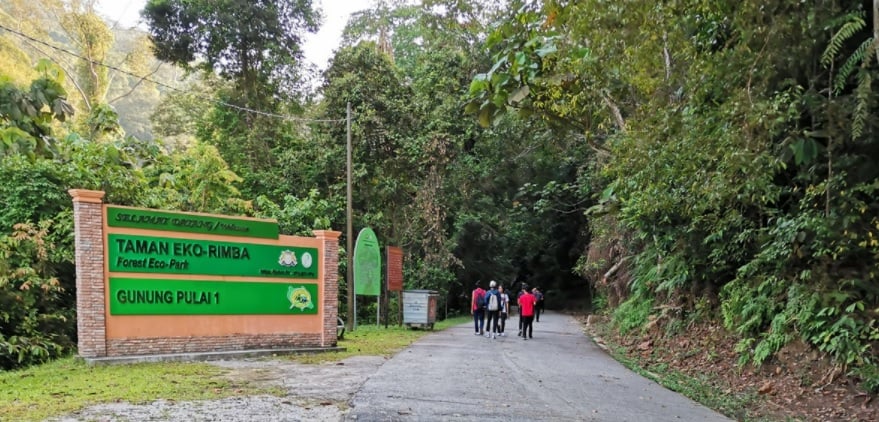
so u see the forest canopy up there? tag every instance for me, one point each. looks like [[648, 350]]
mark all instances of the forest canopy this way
[[684, 160]]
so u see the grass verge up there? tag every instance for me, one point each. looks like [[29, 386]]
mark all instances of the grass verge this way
[[704, 388], [70, 384], [701, 389], [371, 340], [67, 385]]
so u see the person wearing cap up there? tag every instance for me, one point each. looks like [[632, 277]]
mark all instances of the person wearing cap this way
[[527, 302], [477, 308], [493, 307]]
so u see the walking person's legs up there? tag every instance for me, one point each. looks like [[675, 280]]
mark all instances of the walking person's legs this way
[[530, 328], [476, 321], [503, 322], [527, 323], [488, 324]]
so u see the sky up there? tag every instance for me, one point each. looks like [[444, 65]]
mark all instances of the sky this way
[[318, 47]]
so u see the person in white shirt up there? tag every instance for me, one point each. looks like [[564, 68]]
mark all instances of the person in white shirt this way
[[505, 309]]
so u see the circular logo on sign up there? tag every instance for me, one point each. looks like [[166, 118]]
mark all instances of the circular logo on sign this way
[[287, 259], [299, 298], [306, 260]]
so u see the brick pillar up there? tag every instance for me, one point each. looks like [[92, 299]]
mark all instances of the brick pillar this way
[[330, 271], [88, 226]]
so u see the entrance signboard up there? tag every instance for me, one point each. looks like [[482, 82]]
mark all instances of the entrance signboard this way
[[163, 255], [138, 296]]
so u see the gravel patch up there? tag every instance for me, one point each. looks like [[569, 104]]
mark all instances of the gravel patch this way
[[258, 408], [317, 392]]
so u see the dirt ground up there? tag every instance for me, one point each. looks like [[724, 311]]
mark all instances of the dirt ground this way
[[798, 384], [317, 393]]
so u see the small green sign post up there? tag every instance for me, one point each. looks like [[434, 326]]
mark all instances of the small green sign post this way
[[367, 267], [367, 264]]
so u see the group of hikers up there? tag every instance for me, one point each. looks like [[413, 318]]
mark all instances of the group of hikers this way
[[490, 309]]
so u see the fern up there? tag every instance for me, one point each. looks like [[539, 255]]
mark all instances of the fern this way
[[860, 57], [854, 22], [862, 109]]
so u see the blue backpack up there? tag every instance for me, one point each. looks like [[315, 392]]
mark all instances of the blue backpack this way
[[480, 301]]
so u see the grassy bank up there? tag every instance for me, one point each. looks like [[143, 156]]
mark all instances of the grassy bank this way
[[67, 385], [371, 340], [698, 363]]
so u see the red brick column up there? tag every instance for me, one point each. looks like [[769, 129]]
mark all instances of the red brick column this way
[[90, 309], [330, 270]]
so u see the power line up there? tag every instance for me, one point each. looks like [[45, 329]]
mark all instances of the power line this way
[[164, 85]]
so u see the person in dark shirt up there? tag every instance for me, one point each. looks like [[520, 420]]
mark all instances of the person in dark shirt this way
[[538, 309]]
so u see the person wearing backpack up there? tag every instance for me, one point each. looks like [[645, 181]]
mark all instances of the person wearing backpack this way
[[477, 308], [538, 308], [493, 306]]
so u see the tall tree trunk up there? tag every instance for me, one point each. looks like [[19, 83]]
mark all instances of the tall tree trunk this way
[[876, 29]]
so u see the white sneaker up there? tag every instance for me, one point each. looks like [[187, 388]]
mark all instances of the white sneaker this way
[[494, 336], [503, 334]]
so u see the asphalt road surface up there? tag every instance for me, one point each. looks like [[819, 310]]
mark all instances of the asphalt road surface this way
[[559, 375]]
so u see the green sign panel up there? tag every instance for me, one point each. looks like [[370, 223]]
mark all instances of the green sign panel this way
[[148, 254], [367, 264], [189, 223], [136, 296]]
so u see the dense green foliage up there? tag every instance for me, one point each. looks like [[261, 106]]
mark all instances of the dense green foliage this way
[[682, 159], [256, 43], [37, 284], [735, 156]]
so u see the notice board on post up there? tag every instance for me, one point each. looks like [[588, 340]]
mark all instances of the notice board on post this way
[[395, 268]]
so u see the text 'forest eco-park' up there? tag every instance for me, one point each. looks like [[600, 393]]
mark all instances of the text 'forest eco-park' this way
[[162, 282]]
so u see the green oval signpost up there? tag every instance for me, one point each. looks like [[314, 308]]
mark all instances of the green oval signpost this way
[[367, 264]]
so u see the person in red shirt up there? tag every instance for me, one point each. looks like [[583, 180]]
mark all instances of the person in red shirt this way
[[477, 308], [527, 302]]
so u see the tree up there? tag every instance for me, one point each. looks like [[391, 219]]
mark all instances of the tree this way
[[26, 117], [86, 47], [256, 44]]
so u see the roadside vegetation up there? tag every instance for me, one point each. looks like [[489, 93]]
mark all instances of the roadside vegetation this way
[[695, 160], [69, 384]]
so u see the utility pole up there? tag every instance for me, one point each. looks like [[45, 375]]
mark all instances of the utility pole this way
[[350, 322]]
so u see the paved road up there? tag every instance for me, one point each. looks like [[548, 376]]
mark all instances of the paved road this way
[[560, 375]]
